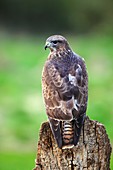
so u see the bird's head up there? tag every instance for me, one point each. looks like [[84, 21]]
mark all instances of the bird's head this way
[[56, 42]]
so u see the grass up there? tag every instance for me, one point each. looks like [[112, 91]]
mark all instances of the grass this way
[[21, 104], [12, 161]]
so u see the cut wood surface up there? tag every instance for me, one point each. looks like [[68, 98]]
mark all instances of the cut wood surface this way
[[91, 153]]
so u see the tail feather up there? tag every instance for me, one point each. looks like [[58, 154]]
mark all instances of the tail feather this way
[[67, 133]]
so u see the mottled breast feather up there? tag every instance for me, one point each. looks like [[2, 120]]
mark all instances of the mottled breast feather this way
[[65, 92]]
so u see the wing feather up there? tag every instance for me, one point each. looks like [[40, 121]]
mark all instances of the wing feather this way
[[63, 94], [56, 129]]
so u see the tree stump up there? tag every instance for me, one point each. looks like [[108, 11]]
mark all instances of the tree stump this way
[[91, 153]]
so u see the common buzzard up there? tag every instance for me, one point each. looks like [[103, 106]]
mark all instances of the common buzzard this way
[[65, 91]]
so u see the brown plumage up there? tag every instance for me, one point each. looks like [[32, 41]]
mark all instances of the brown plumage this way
[[65, 91]]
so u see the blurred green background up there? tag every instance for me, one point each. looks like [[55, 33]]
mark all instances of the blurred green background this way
[[24, 27]]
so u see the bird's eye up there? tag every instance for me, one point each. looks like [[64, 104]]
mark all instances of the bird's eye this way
[[55, 42]]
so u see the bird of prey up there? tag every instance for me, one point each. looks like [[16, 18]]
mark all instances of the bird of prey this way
[[65, 91]]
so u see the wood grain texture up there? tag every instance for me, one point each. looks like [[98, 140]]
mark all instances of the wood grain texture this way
[[91, 153]]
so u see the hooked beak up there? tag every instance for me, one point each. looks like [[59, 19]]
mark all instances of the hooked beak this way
[[47, 45]]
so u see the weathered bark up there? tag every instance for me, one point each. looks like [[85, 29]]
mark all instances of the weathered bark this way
[[91, 153]]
